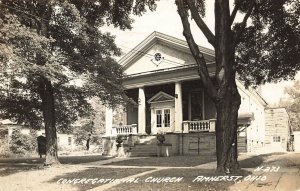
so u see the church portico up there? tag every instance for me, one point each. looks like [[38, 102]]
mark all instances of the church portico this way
[[167, 108]]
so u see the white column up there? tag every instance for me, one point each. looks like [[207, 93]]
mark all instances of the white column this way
[[142, 112], [178, 107], [108, 121]]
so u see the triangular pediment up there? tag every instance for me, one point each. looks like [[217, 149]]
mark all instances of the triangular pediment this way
[[159, 52], [161, 97]]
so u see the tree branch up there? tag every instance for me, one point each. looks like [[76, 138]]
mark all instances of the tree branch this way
[[201, 24], [202, 67], [233, 14], [243, 23]]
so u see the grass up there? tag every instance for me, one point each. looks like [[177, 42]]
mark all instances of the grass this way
[[271, 159], [173, 161], [186, 183], [12, 166], [5, 171], [100, 173], [62, 159]]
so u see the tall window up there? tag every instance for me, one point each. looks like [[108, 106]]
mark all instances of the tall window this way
[[167, 117], [158, 118], [163, 118]]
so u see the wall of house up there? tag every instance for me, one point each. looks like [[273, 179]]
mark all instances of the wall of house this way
[[277, 125], [253, 104], [66, 141], [192, 143]]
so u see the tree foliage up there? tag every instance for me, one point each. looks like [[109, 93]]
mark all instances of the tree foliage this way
[[269, 48], [292, 104], [55, 57], [61, 41]]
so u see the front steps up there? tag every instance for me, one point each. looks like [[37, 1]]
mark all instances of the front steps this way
[[142, 150], [145, 147]]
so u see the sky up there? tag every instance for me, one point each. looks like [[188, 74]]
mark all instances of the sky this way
[[166, 20]]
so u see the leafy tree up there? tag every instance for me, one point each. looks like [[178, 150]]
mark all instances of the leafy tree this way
[[263, 47], [48, 46], [292, 104]]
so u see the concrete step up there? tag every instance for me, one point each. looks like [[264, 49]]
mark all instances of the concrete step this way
[[148, 139], [143, 150]]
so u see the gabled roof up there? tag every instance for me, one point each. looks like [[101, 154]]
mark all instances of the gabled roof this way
[[161, 97], [154, 38]]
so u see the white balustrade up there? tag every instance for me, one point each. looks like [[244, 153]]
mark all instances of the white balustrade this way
[[199, 126], [124, 129]]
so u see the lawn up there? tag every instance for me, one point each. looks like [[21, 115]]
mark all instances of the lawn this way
[[62, 159], [99, 173], [5, 171], [10, 166], [173, 161], [272, 159], [187, 184]]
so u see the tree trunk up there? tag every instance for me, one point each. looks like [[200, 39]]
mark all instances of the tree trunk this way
[[223, 91], [226, 131], [229, 100], [46, 92]]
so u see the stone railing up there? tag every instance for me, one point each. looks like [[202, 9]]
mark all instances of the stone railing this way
[[199, 126], [124, 129]]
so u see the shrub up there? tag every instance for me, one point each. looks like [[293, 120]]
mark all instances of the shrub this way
[[21, 143], [119, 140], [161, 138], [4, 149]]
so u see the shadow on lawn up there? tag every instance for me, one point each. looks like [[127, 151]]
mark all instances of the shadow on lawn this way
[[5, 171], [12, 166], [255, 161], [173, 161], [93, 173]]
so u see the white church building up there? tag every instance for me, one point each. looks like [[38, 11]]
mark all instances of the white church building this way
[[162, 80]]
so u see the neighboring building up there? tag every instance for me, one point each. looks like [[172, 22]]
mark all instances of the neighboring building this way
[[278, 129], [167, 96], [64, 141], [296, 141]]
